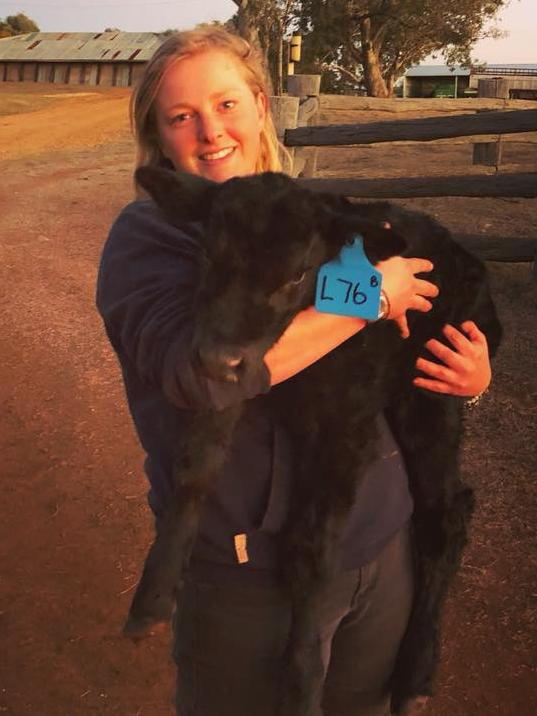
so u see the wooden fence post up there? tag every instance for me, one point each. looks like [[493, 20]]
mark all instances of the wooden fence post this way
[[496, 88], [489, 154], [307, 88], [284, 111]]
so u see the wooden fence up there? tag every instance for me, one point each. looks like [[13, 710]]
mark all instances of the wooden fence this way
[[297, 113]]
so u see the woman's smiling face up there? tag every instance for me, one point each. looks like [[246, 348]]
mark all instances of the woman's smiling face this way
[[209, 121]]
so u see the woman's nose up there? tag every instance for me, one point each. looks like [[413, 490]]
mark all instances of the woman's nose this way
[[209, 128]]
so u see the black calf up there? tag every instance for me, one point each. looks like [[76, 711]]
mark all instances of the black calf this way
[[265, 239]]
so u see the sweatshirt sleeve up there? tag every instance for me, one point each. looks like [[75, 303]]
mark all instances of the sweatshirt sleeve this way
[[146, 286]]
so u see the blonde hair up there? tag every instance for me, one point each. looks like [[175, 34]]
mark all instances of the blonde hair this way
[[184, 44]]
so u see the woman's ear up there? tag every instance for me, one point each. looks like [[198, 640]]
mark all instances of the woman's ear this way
[[181, 196]]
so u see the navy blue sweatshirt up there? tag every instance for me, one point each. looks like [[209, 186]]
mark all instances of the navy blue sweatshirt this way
[[147, 279]]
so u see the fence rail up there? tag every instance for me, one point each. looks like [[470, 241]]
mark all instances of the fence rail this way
[[508, 249], [303, 140], [400, 105], [417, 130], [500, 185]]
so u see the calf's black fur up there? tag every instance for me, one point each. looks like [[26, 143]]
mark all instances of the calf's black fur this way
[[264, 239]]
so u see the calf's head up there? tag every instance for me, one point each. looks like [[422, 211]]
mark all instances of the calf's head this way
[[264, 238]]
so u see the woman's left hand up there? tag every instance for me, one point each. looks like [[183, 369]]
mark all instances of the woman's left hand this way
[[465, 368]]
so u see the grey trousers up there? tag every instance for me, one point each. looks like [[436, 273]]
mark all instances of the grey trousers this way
[[230, 640]]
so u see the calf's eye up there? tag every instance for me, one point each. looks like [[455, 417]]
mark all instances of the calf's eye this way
[[298, 279]]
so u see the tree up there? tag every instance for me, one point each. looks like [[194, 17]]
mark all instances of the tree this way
[[214, 23], [265, 24], [170, 31], [249, 15], [18, 24], [374, 41]]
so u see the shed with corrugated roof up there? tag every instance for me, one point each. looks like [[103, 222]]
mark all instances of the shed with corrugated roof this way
[[517, 81], [111, 59], [436, 81]]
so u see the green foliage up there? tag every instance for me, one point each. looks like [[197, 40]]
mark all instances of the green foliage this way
[[213, 23], [174, 30], [18, 24], [360, 45], [372, 42], [168, 32]]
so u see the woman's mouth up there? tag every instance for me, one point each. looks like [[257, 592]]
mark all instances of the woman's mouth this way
[[216, 156]]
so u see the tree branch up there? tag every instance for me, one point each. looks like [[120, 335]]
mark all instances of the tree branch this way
[[343, 70]]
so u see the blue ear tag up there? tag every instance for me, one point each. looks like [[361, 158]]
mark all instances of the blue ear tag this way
[[349, 285]]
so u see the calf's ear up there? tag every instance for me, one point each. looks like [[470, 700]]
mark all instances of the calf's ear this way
[[341, 226], [381, 241], [181, 196]]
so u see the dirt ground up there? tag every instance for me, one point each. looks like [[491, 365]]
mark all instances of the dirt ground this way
[[75, 525]]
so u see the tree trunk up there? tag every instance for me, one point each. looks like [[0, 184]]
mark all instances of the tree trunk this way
[[374, 81], [248, 23], [246, 26], [279, 66]]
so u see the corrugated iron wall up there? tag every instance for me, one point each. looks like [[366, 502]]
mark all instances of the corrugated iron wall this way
[[136, 73], [13, 72], [61, 70], [45, 72], [89, 74], [105, 74], [29, 72], [123, 75], [75, 74]]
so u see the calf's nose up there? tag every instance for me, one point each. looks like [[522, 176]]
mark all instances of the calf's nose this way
[[233, 362], [221, 365]]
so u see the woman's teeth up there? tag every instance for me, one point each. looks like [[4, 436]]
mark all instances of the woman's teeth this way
[[217, 155]]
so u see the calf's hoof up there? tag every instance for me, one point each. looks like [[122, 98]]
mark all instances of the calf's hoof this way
[[138, 629], [413, 706], [150, 610]]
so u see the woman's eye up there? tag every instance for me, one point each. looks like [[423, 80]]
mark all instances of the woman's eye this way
[[228, 104], [180, 118]]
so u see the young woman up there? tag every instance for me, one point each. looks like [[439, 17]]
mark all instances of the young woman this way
[[201, 107]]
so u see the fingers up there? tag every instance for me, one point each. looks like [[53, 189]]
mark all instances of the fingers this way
[[464, 367], [426, 288], [404, 290], [420, 265], [433, 385], [419, 303], [403, 326], [472, 345], [439, 372], [473, 332], [457, 339], [451, 358]]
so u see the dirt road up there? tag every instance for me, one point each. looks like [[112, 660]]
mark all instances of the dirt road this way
[[75, 526]]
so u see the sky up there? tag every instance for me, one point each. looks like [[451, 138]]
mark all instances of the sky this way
[[519, 19]]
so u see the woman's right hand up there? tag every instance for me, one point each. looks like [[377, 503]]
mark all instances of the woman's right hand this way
[[404, 291]]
